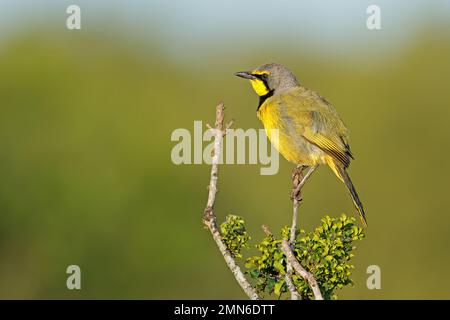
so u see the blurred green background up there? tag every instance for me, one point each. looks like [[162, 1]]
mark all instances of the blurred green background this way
[[86, 117]]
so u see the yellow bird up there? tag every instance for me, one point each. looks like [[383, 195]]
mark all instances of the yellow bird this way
[[310, 131]]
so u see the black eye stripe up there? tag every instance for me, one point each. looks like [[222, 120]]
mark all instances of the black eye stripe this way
[[263, 78]]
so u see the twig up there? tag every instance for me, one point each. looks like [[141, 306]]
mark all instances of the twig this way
[[299, 181], [288, 276], [300, 270], [209, 218], [296, 177], [290, 283], [266, 230]]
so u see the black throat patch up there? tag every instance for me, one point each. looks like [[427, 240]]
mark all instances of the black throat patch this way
[[263, 98]]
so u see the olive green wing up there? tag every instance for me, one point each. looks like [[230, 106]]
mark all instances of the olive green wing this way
[[318, 122]]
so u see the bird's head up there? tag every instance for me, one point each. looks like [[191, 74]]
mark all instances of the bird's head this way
[[269, 79]]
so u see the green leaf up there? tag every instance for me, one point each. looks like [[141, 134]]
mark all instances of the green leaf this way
[[278, 286]]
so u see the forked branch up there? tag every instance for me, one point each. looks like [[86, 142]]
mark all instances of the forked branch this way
[[300, 270], [209, 218]]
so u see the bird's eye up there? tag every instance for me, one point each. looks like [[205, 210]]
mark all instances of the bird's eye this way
[[261, 76]]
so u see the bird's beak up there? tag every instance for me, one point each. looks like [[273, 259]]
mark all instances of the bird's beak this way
[[245, 75]]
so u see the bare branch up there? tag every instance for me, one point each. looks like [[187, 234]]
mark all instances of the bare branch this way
[[266, 230], [290, 283], [209, 218], [298, 182], [300, 270]]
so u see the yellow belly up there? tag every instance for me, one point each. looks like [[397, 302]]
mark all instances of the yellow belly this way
[[289, 143]]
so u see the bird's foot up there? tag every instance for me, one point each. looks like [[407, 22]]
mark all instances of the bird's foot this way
[[296, 195], [297, 176]]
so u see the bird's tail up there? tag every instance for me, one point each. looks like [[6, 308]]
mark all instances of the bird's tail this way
[[344, 177]]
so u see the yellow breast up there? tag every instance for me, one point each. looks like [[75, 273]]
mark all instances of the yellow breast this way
[[289, 143]]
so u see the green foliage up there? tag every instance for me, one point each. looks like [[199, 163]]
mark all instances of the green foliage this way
[[325, 253], [234, 234], [268, 268]]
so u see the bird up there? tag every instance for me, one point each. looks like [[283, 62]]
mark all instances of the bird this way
[[310, 130]]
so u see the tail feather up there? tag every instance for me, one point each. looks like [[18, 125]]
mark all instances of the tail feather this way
[[343, 175]]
